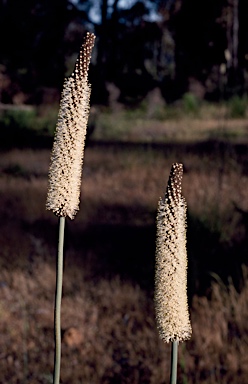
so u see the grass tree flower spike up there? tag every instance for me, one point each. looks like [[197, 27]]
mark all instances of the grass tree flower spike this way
[[171, 303], [68, 148], [65, 171]]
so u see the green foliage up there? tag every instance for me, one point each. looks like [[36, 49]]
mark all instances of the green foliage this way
[[111, 129], [24, 127], [237, 107], [190, 103], [17, 119], [168, 112], [15, 170]]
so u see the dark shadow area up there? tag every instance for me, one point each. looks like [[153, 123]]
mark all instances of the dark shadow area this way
[[16, 137], [125, 250], [211, 147], [210, 257], [129, 251]]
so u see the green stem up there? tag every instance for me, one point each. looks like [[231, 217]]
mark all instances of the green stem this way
[[58, 298], [174, 354]]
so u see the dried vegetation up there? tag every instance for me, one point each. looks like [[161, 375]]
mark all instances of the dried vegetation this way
[[109, 333]]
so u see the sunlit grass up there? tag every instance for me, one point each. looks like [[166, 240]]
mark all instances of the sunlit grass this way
[[186, 120]]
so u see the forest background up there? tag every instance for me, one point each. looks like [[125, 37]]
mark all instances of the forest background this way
[[169, 84], [174, 45]]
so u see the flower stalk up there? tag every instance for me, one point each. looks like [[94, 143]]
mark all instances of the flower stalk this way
[[58, 299], [174, 358]]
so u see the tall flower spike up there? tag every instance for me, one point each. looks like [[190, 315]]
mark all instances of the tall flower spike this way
[[171, 303], [68, 148]]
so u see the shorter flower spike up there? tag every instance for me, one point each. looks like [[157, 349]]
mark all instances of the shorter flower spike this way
[[68, 147], [171, 303]]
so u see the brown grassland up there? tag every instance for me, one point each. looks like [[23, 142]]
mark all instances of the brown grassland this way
[[108, 326]]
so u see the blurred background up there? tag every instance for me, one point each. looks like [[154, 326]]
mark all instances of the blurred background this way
[[176, 46], [169, 84]]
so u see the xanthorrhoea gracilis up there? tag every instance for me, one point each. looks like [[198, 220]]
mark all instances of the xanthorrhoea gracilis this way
[[64, 182], [170, 296], [69, 141]]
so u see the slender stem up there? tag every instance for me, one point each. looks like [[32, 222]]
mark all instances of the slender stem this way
[[58, 298], [174, 354]]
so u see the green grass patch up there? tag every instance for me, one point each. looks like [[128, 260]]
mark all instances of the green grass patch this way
[[191, 104], [25, 127], [237, 107]]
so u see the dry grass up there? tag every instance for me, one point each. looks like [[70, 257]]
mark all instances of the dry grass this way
[[105, 332], [130, 126], [109, 333], [219, 345]]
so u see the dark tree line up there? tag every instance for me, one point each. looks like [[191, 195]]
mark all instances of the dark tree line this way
[[160, 43]]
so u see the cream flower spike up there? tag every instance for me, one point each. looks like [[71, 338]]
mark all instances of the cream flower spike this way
[[68, 148], [171, 303]]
